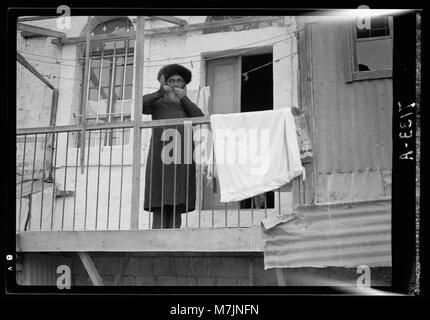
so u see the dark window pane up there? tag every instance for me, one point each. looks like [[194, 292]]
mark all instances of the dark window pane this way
[[94, 77], [379, 27], [104, 93], [96, 47]]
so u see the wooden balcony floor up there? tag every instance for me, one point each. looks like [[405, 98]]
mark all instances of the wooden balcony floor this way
[[171, 240]]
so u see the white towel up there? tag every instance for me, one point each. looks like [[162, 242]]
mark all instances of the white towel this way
[[255, 152]]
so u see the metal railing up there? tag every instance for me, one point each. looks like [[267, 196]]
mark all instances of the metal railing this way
[[100, 197]]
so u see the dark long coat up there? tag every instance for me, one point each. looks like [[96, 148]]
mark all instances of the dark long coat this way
[[161, 187]]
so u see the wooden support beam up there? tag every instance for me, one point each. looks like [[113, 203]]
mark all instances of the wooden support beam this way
[[30, 68], [122, 267], [171, 19], [166, 240], [280, 275], [91, 268], [29, 30], [137, 147]]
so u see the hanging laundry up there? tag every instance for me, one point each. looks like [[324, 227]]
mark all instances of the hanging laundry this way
[[200, 97], [255, 152]]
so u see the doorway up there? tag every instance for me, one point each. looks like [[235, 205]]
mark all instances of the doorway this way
[[234, 90]]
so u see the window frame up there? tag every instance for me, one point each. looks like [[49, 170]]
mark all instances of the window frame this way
[[351, 61], [109, 115]]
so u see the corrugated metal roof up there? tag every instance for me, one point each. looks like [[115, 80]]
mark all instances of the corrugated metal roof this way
[[338, 236]]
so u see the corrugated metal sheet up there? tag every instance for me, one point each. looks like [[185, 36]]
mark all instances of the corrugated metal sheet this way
[[41, 268], [338, 237], [352, 121]]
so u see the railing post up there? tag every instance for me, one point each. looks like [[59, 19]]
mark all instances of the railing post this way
[[135, 191], [84, 97]]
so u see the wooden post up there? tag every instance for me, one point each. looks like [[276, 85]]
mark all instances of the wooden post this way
[[135, 190], [91, 268], [52, 122], [85, 93]]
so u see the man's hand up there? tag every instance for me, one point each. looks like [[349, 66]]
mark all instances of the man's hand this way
[[163, 87], [179, 92]]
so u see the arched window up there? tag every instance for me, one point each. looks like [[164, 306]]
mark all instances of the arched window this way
[[110, 79], [237, 27]]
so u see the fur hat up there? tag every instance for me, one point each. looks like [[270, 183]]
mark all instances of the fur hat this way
[[175, 69]]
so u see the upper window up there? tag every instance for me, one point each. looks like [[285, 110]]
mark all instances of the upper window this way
[[237, 27], [371, 50], [110, 80]]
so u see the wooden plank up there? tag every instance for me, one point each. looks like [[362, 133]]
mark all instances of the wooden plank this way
[[30, 68], [137, 150], [54, 108], [91, 268], [171, 19], [166, 240], [33, 30]]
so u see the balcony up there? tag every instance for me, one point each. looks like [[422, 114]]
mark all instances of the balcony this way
[[74, 197]]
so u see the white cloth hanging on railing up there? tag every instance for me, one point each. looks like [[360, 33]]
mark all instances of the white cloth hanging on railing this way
[[255, 152]]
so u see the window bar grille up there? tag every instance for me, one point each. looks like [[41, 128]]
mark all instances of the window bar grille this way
[[54, 170], [123, 79], [122, 170], [32, 181], [76, 191], [22, 182], [111, 96], [43, 180], [110, 173], [98, 177], [100, 86], [86, 182], [65, 181]]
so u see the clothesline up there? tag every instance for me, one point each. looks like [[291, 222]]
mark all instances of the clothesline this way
[[169, 59], [225, 80]]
